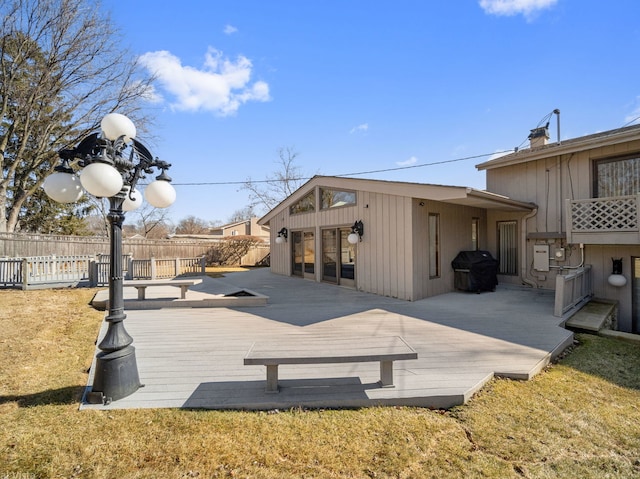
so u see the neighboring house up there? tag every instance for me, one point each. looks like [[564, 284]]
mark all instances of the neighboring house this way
[[588, 212], [410, 233], [245, 227], [238, 228]]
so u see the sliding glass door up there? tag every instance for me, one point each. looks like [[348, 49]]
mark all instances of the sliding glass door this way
[[338, 257], [303, 251]]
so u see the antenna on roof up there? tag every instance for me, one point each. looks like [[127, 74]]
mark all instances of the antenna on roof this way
[[557, 113]]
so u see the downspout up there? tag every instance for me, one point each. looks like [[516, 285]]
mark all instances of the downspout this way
[[559, 201], [523, 249]]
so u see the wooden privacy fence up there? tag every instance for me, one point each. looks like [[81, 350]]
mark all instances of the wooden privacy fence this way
[[572, 289], [47, 271], [25, 245]]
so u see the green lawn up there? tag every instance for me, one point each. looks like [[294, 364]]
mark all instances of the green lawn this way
[[578, 419]]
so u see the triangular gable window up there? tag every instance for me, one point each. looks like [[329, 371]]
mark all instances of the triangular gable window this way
[[306, 205]]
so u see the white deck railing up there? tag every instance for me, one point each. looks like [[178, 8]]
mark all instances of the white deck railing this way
[[33, 270], [42, 271], [572, 289]]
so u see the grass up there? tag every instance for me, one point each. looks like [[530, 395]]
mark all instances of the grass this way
[[219, 271], [578, 419]]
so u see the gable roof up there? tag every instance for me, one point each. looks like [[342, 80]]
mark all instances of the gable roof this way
[[574, 145], [459, 195]]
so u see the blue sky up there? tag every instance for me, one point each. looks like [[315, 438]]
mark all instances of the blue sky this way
[[368, 85]]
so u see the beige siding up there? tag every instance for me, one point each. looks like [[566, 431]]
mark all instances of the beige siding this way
[[455, 230], [280, 257], [600, 258], [384, 265], [383, 259], [393, 258], [548, 182]]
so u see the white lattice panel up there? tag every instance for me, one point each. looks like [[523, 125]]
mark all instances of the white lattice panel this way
[[605, 214]]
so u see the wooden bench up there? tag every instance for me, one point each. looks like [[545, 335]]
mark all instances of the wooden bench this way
[[293, 350], [142, 285]]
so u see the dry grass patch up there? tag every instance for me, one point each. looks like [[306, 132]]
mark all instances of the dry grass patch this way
[[577, 420], [219, 271]]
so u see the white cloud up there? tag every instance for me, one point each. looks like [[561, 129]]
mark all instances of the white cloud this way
[[528, 8], [220, 86], [229, 29], [411, 161], [360, 128]]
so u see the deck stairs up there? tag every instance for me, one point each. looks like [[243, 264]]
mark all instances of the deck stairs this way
[[594, 316]]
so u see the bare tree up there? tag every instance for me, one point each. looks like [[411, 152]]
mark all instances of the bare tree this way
[[61, 70], [267, 194], [231, 250], [242, 214], [192, 225], [151, 222]]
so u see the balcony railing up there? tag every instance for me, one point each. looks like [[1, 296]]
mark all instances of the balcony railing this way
[[604, 220]]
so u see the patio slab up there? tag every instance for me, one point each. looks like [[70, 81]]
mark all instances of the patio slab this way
[[193, 358]]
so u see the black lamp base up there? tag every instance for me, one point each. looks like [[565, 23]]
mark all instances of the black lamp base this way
[[116, 376]]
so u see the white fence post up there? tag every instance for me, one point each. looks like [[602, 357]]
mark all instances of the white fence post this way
[[25, 273]]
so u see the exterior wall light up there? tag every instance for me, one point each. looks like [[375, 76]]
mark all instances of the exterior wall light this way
[[616, 278], [282, 236], [98, 164], [357, 230]]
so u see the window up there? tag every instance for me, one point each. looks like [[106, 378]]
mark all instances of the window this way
[[336, 198], [507, 247], [617, 177], [475, 231], [306, 205], [434, 245]]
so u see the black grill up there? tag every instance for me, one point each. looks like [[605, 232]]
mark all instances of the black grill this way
[[475, 271]]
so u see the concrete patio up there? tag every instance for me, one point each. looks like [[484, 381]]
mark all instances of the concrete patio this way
[[193, 357]]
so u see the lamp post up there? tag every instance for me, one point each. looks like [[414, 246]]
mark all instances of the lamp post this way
[[99, 166]]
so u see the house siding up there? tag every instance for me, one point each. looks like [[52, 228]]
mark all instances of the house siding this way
[[393, 258], [455, 230], [384, 264], [549, 182]]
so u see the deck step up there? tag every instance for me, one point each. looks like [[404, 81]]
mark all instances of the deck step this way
[[597, 314]]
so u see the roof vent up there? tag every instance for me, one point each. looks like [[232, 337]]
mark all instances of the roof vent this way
[[539, 136]]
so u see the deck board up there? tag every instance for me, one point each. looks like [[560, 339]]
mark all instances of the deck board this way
[[193, 358]]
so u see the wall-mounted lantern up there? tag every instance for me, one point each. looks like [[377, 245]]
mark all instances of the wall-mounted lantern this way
[[357, 230], [282, 236], [616, 278]]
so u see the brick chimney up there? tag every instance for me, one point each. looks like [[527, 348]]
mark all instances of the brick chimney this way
[[539, 136]]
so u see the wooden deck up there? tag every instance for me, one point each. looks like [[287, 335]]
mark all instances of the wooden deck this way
[[193, 358]]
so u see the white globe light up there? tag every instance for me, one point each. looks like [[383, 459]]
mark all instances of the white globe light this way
[[160, 194], [131, 204], [115, 125], [63, 187], [353, 238], [101, 180], [617, 280], [279, 239]]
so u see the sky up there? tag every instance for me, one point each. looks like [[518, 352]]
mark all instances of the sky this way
[[403, 90]]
